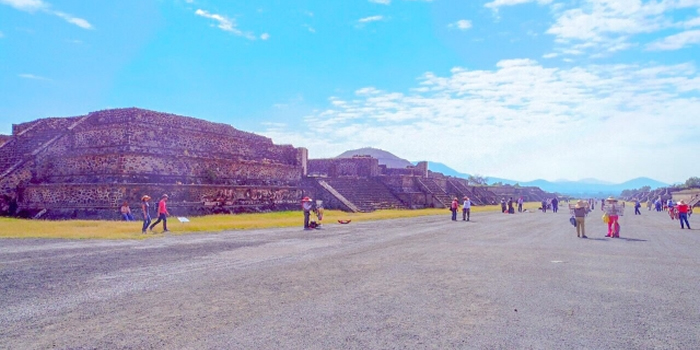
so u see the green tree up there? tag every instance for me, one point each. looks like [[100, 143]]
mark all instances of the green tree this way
[[692, 182], [477, 179]]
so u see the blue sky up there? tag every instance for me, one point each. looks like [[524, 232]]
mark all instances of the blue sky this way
[[519, 89]]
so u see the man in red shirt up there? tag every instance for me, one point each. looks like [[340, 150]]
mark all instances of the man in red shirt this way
[[162, 214], [683, 213]]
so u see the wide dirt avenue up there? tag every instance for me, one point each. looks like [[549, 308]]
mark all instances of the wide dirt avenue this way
[[521, 281]]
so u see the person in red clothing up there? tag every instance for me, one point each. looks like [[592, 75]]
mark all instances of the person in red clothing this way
[[162, 214], [453, 208], [683, 210]]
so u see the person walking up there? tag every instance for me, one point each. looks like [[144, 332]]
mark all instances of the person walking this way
[[162, 214], [555, 205], [683, 210], [503, 205], [544, 205], [466, 209], [453, 208], [614, 211], [648, 204], [580, 211], [145, 212], [637, 205], [307, 206]]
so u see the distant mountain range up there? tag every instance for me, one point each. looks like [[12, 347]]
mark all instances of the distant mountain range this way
[[588, 187]]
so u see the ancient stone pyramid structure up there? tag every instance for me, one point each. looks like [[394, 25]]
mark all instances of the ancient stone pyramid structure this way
[[87, 166]]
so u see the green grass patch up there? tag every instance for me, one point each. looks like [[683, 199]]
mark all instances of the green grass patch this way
[[94, 229]]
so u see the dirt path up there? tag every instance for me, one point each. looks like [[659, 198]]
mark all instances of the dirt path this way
[[499, 281]]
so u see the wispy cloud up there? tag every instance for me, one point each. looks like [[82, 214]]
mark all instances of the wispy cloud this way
[[676, 41], [225, 24], [610, 26], [264, 36], [494, 5], [32, 77], [462, 24], [2, 35], [42, 6], [370, 19], [507, 115], [383, 2]]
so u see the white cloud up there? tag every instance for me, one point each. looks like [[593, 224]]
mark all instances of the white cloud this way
[[371, 19], [462, 24], [225, 24], [39, 5], [26, 5], [265, 36], [695, 22], [499, 121], [383, 2], [676, 41], [32, 77], [74, 20], [610, 26], [500, 3]]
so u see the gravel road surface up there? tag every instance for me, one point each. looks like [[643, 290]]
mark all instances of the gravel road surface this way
[[522, 281]]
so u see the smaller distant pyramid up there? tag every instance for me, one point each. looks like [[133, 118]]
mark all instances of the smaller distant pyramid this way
[[384, 157]]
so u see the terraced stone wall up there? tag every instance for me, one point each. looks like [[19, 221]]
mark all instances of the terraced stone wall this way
[[95, 201], [339, 167], [118, 154]]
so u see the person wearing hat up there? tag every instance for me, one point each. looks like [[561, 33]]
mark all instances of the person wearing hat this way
[[145, 212], [683, 210], [307, 206], [580, 211], [466, 209], [162, 213], [453, 208], [614, 211]]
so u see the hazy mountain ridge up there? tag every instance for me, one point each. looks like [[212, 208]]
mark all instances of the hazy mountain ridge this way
[[587, 186]]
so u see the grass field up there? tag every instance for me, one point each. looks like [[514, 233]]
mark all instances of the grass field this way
[[84, 229]]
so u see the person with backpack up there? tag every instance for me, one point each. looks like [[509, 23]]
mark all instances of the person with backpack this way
[[613, 210], [453, 208], [580, 211], [162, 214], [637, 205]]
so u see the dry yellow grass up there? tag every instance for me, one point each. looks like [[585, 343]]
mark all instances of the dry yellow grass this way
[[89, 229]]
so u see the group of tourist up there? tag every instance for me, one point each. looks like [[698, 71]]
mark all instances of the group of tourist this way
[[549, 204], [466, 208], [308, 206], [611, 207], [612, 210], [145, 212]]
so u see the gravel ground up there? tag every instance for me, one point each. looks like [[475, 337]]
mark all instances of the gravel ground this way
[[500, 281]]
